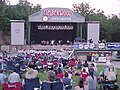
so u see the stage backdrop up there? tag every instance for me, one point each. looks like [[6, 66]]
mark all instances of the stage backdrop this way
[[17, 32]]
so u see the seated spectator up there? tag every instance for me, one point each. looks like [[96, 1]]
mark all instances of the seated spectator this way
[[67, 82], [2, 77], [81, 85], [72, 69], [94, 69], [91, 81], [49, 65], [31, 73], [50, 75], [93, 62], [70, 75], [59, 73], [57, 79], [17, 67], [50, 83], [84, 74], [14, 77], [85, 64], [110, 73], [31, 84], [79, 64], [31, 79]]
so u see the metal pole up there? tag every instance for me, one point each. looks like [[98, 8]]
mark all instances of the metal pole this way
[[29, 25], [78, 28], [81, 31]]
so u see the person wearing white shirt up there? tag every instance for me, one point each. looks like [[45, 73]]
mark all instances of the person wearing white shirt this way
[[14, 77], [2, 77]]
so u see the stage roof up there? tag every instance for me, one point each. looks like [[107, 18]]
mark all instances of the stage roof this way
[[56, 15]]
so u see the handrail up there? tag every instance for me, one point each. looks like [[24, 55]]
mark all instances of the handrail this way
[[71, 53]]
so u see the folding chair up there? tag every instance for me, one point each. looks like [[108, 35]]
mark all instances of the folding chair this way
[[52, 86], [10, 86], [31, 84]]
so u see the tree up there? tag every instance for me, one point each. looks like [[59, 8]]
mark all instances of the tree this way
[[21, 11], [105, 27], [115, 27], [108, 25], [84, 9], [2, 10]]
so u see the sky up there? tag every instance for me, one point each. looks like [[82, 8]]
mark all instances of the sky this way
[[108, 6]]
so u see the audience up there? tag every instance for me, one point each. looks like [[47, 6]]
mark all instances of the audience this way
[[87, 80]]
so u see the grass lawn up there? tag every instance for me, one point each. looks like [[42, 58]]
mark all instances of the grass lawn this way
[[75, 78]]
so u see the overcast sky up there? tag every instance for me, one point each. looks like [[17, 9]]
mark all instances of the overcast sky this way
[[108, 6]]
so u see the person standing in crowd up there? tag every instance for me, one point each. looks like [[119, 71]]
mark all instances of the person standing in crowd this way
[[3, 77], [81, 85], [91, 81], [14, 77]]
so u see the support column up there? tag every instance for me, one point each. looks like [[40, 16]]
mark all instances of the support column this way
[[78, 30], [29, 25], [81, 32]]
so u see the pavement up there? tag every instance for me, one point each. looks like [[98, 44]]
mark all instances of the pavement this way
[[116, 64]]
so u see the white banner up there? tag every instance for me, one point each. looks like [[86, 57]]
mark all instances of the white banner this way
[[17, 32]]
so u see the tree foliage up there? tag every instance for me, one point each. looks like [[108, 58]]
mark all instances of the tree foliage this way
[[109, 26], [21, 11], [83, 9]]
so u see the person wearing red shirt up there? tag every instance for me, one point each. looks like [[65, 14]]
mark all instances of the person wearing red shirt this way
[[59, 73], [84, 74]]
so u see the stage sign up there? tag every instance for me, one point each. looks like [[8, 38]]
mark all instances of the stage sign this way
[[113, 45], [56, 15], [102, 59], [55, 27]]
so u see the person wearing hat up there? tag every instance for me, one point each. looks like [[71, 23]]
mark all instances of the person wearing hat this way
[[31, 73], [110, 72]]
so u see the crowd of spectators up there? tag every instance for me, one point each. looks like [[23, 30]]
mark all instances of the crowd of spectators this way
[[33, 62]]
